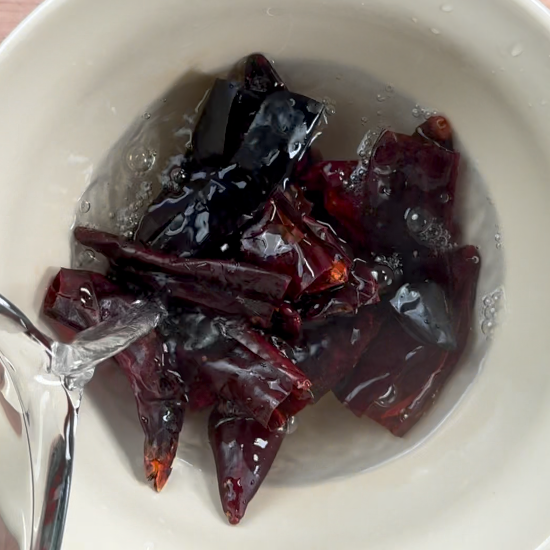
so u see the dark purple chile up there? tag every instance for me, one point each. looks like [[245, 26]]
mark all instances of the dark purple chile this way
[[245, 280], [398, 378], [78, 300], [287, 242], [260, 76], [241, 367], [328, 352], [362, 289], [196, 292], [244, 452], [216, 202]]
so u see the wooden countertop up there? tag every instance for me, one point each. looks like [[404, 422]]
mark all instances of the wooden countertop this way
[[12, 13]]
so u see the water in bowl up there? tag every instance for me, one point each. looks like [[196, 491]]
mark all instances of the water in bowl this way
[[328, 440]]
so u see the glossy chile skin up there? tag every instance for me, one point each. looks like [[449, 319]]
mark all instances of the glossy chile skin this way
[[238, 365], [404, 173], [399, 377], [216, 201], [77, 300], [244, 452]]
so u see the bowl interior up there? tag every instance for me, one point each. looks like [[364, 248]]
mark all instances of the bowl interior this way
[[71, 95], [331, 442]]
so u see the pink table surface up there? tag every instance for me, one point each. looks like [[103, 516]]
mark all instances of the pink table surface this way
[[12, 13]]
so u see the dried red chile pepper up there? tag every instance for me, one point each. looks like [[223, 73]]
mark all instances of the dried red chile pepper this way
[[328, 352], [352, 280], [287, 242], [399, 377], [404, 173], [238, 365], [215, 201], [78, 300], [244, 452]]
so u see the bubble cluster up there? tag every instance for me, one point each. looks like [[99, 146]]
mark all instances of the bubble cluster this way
[[427, 230], [388, 270], [394, 262], [128, 217], [364, 151], [421, 112], [359, 174], [330, 106], [491, 312], [366, 145]]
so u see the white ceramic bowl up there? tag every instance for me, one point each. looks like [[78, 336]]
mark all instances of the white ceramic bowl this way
[[75, 77]]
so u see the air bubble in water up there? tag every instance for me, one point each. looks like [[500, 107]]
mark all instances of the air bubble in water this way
[[364, 120], [85, 207], [147, 116], [366, 145], [447, 8], [381, 98], [488, 328], [141, 159], [428, 230], [516, 50], [435, 31], [390, 89], [330, 108], [416, 112], [178, 175], [290, 427], [492, 305]]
